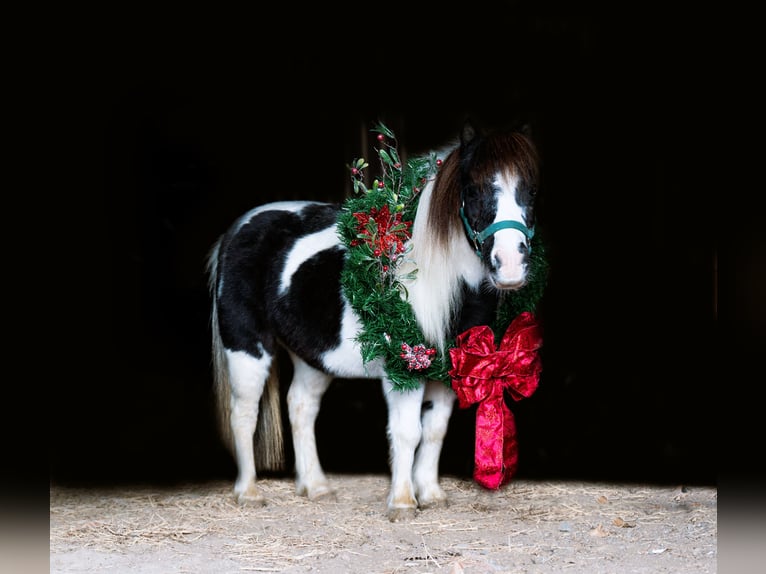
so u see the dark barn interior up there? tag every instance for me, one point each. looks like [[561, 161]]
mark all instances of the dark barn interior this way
[[190, 130]]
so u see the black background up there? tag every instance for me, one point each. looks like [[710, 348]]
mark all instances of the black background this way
[[184, 126]]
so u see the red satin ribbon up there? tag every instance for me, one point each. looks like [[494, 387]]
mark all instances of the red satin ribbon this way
[[480, 374]]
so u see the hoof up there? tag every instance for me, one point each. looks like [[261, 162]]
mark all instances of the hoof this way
[[322, 492], [401, 514], [435, 503], [326, 495], [250, 497], [432, 497], [250, 500]]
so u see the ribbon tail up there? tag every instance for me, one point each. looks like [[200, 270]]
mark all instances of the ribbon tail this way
[[496, 449], [510, 445]]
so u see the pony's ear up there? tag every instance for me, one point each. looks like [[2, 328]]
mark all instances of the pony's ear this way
[[526, 129], [469, 131]]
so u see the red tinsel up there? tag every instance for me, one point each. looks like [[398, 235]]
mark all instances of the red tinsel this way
[[480, 374]]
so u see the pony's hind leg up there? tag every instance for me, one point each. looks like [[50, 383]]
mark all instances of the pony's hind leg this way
[[404, 433], [303, 401], [247, 378], [438, 402]]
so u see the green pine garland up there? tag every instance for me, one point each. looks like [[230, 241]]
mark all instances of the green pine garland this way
[[375, 225]]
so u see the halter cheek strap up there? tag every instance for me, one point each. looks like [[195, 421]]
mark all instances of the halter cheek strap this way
[[478, 237]]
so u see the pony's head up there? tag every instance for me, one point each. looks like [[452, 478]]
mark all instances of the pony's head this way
[[486, 187], [473, 226]]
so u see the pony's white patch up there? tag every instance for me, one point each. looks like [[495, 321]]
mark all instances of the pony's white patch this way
[[247, 378], [404, 432], [305, 248], [248, 373], [345, 360], [510, 267], [304, 399], [436, 287]]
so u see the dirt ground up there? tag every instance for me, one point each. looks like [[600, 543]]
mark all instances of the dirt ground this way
[[525, 527]]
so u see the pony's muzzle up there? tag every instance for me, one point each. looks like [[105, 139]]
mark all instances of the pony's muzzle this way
[[509, 286], [509, 267]]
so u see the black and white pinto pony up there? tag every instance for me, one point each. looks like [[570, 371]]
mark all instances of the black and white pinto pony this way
[[275, 282]]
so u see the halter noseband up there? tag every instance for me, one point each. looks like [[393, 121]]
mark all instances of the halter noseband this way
[[478, 237]]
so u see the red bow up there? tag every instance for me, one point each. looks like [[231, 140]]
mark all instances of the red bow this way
[[480, 373]]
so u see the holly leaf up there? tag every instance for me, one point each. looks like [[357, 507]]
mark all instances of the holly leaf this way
[[382, 129]]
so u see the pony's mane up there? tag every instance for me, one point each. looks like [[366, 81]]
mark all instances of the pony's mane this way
[[437, 241], [440, 250]]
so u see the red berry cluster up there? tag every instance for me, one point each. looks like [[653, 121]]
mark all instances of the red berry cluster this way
[[417, 357]]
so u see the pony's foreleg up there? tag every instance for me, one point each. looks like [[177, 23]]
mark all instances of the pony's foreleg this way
[[438, 402], [247, 377], [303, 401], [403, 435]]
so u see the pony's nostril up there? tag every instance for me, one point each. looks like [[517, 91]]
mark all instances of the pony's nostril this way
[[523, 248], [496, 262]]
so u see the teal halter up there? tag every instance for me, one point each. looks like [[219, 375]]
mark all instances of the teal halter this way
[[478, 237]]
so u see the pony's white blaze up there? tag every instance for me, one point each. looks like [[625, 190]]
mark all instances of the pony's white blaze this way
[[305, 248], [507, 255]]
